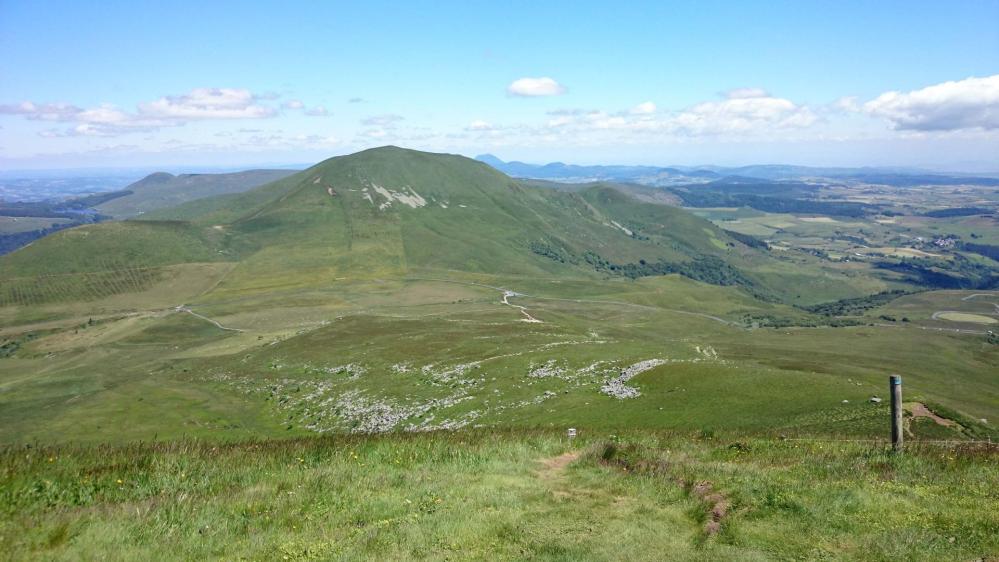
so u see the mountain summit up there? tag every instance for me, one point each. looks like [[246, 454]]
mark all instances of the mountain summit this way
[[390, 212]]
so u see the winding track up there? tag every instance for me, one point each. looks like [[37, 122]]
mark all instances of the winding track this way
[[508, 293], [183, 308]]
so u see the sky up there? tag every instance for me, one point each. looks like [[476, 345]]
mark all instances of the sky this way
[[240, 84]]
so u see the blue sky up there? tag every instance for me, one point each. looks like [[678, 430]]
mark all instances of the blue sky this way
[[232, 84]]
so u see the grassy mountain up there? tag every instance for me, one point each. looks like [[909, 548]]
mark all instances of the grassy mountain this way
[[394, 290], [162, 190], [387, 213]]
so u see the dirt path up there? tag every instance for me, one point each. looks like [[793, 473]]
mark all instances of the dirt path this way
[[919, 410], [523, 310], [938, 315], [553, 467], [932, 329], [969, 297], [183, 308], [718, 505], [593, 301]]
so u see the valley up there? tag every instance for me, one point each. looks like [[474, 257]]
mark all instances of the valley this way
[[319, 303], [338, 363]]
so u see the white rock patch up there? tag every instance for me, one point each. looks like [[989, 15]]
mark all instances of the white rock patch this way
[[549, 369], [406, 196], [623, 229], [616, 388]]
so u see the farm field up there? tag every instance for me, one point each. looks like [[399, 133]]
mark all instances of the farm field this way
[[13, 225]]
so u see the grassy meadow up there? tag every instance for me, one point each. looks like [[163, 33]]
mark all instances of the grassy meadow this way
[[502, 496]]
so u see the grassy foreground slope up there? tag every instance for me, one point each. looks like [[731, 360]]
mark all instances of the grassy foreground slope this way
[[501, 496]]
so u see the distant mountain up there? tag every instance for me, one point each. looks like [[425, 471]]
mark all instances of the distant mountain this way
[[898, 177], [675, 175], [558, 171], [161, 190]]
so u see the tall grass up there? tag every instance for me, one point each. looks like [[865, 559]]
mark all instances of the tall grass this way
[[487, 495]]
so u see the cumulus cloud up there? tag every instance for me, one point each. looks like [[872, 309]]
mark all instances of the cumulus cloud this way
[[386, 121], [41, 112], [91, 130], [356, 100], [207, 103], [317, 111], [745, 93], [534, 87], [645, 108], [743, 114], [972, 103], [848, 104], [293, 104], [479, 125], [376, 133], [168, 111]]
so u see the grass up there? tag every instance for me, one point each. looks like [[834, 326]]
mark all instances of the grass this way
[[168, 374], [320, 313], [498, 495], [967, 318], [160, 190], [14, 225]]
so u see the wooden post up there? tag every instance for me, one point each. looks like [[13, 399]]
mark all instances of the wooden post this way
[[895, 384]]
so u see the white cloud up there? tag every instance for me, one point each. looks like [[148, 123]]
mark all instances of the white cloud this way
[[645, 108], [744, 93], [169, 111], [387, 121], [972, 103], [742, 114], [746, 113], [533, 87], [293, 104], [43, 112], [479, 125], [317, 111], [376, 133], [560, 121], [207, 103], [848, 104]]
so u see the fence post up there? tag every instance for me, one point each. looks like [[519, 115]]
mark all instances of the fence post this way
[[895, 384]]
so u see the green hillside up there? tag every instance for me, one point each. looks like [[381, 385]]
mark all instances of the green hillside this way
[[162, 190], [401, 290], [386, 213]]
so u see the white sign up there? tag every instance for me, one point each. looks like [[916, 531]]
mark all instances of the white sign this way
[[572, 432]]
